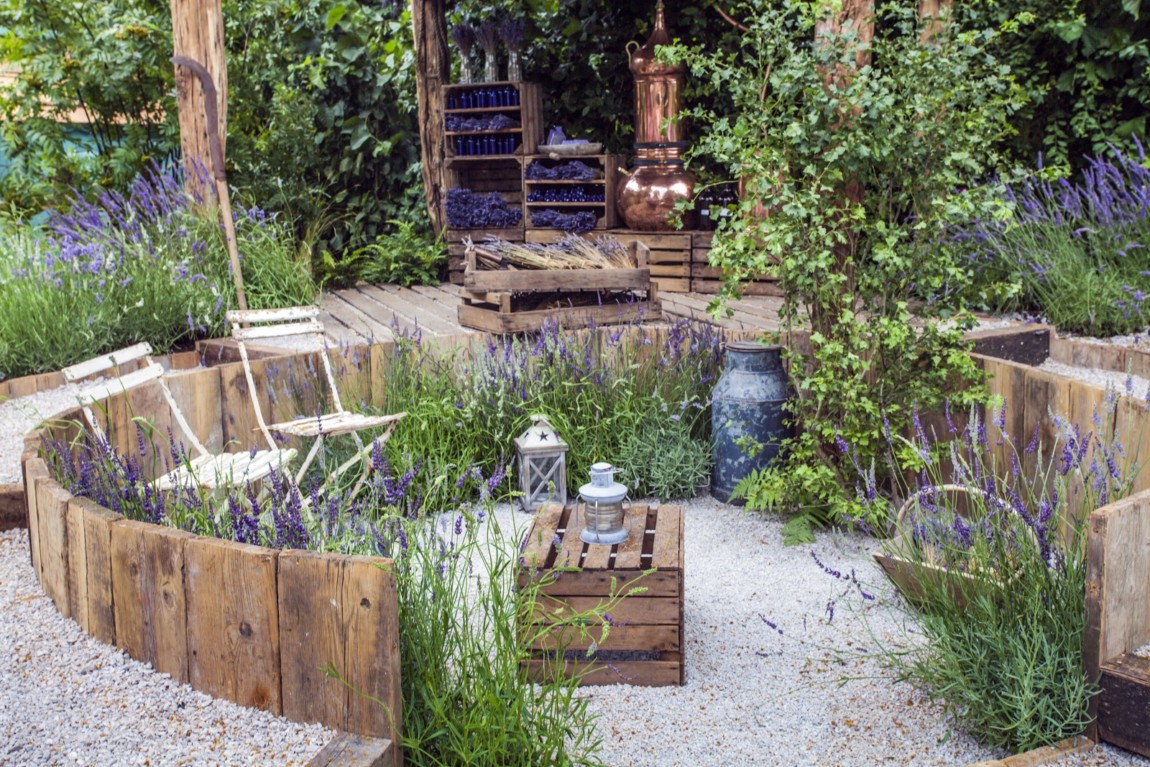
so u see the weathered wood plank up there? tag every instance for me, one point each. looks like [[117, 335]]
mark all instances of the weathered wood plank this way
[[348, 750], [233, 622], [540, 539], [668, 550], [197, 393], [34, 470], [77, 575], [627, 553], [52, 508], [148, 595], [98, 523], [371, 617]]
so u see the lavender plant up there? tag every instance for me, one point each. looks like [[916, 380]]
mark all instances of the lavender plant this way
[[465, 700], [994, 533], [596, 386], [139, 266], [1074, 253]]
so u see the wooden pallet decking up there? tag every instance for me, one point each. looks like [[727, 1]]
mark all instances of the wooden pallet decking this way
[[368, 312]]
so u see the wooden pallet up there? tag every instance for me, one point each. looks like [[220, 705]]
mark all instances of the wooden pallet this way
[[644, 644], [457, 246]]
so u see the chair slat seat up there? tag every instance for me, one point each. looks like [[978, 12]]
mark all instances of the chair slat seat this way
[[333, 424], [212, 471]]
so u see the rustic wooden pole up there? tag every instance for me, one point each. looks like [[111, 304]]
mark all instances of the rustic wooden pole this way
[[217, 172], [432, 70], [933, 14], [198, 34]]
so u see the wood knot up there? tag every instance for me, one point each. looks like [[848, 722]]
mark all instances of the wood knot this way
[[365, 602], [245, 629]]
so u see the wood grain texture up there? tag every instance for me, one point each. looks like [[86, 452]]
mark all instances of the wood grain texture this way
[[77, 575], [198, 33], [148, 595], [347, 750], [233, 622], [340, 612], [34, 470], [198, 395], [52, 507], [98, 523]]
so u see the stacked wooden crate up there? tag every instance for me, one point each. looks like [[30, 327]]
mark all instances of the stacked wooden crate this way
[[709, 279], [607, 168]]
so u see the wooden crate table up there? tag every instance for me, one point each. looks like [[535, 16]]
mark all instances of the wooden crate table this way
[[644, 644]]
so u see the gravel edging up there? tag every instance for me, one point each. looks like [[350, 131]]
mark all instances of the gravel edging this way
[[66, 698]]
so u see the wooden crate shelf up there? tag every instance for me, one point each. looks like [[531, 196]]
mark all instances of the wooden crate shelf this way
[[644, 645], [708, 279], [527, 111], [457, 247], [607, 166]]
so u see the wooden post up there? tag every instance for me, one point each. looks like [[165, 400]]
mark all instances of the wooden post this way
[[933, 15], [198, 33], [432, 70]]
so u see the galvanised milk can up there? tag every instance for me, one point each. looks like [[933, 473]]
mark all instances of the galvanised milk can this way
[[747, 406]]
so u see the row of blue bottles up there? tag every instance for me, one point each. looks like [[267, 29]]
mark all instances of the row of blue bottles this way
[[484, 98], [566, 194], [481, 145]]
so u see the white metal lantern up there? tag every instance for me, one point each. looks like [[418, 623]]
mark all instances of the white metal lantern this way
[[602, 502], [542, 457]]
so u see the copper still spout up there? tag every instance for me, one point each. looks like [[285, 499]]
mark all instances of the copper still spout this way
[[647, 198]]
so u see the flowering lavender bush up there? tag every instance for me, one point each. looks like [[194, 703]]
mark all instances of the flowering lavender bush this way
[[993, 532], [141, 266], [465, 700], [1075, 253], [597, 387]]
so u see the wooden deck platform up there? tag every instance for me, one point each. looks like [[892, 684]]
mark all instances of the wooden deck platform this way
[[371, 312]]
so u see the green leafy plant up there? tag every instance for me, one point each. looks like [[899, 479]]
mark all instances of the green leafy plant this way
[[664, 458], [857, 168], [407, 256], [995, 536]]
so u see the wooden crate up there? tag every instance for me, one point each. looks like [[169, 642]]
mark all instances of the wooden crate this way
[[644, 644], [528, 113], [496, 301], [669, 253], [707, 279], [457, 246], [607, 164]]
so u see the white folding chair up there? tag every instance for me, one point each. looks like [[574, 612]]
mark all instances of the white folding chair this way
[[304, 321], [206, 469]]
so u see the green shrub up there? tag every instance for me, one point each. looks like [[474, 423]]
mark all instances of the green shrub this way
[[408, 256], [857, 170]]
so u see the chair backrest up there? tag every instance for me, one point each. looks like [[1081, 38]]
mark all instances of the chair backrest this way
[[149, 370], [255, 324]]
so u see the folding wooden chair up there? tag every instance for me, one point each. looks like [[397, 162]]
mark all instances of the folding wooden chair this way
[[206, 469], [297, 321]]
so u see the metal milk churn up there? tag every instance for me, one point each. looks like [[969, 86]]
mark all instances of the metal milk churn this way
[[747, 404]]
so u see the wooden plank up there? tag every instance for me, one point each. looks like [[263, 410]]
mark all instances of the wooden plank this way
[[34, 470], [197, 392], [553, 280], [668, 551], [238, 422], [1118, 570], [319, 627], [570, 553], [104, 362], [348, 750], [598, 557], [148, 595], [233, 622], [660, 673], [1124, 703], [1045, 755], [369, 316], [761, 287], [430, 315], [634, 637], [371, 618], [52, 509], [540, 539], [98, 523], [637, 610], [627, 554], [77, 561], [599, 583]]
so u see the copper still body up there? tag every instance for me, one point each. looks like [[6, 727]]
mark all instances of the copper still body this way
[[646, 197]]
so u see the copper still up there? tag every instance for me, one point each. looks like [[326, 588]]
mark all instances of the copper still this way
[[647, 196]]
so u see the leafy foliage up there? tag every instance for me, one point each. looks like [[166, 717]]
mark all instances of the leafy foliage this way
[[1084, 66], [856, 170], [405, 257]]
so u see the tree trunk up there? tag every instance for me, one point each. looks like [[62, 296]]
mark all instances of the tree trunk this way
[[198, 33], [432, 70]]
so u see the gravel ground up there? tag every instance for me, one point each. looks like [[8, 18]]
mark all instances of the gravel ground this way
[[1121, 383], [21, 415], [67, 699]]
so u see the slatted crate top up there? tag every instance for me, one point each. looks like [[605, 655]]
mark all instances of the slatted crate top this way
[[644, 641]]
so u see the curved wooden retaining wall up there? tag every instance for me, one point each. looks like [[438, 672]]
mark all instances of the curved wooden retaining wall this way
[[245, 623]]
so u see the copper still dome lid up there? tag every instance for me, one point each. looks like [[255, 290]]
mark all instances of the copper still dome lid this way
[[642, 58]]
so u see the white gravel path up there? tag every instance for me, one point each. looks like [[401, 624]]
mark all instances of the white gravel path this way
[[67, 699], [20, 415]]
